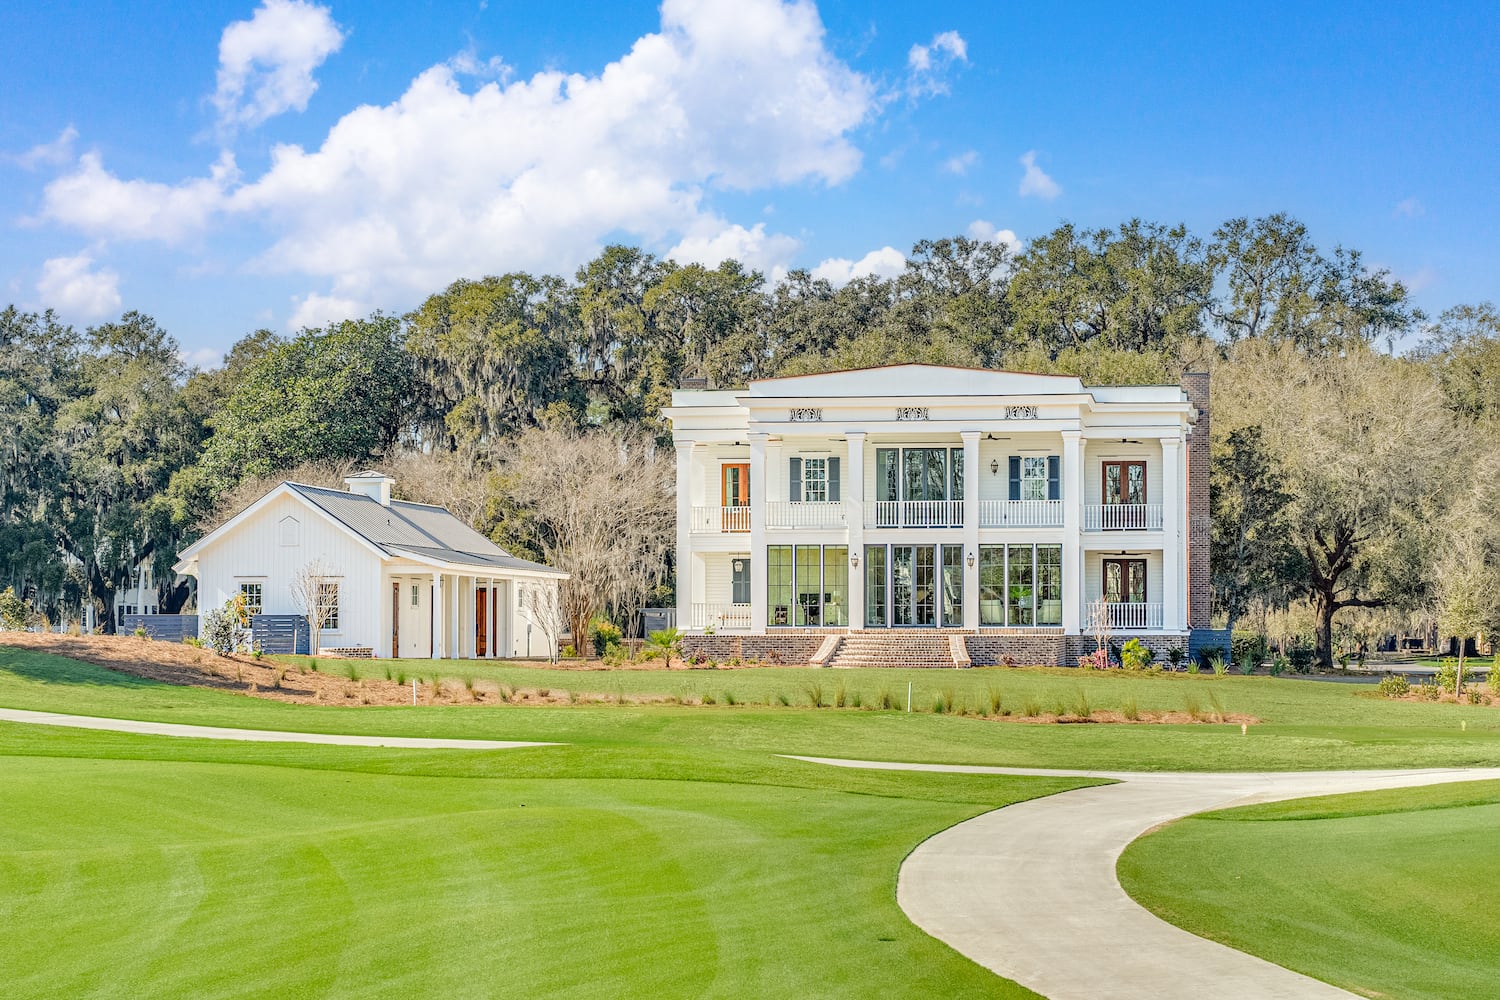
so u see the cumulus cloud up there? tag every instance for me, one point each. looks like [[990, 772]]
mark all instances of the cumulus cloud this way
[[754, 247], [1409, 208], [266, 64], [981, 229], [314, 310], [74, 288], [203, 358], [1034, 182], [48, 154], [961, 163], [533, 173], [928, 65], [887, 262]]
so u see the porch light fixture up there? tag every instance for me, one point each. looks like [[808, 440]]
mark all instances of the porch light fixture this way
[[854, 559], [970, 560], [994, 466], [739, 565]]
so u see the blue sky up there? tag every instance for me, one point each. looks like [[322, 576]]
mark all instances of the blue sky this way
[[225, 166]]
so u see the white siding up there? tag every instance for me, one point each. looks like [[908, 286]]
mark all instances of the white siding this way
[[718, 576]]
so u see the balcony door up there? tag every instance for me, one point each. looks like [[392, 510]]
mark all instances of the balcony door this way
[[1125, 581], [735, 485], [1125, 485]]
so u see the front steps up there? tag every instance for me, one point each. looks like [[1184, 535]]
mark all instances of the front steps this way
[[895, 648]]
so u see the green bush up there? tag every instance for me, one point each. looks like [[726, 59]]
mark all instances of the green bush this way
[[1278, 665], [1134, 656], [1394, 686], [1175, 656], [13, 611], [218, 631], [1495, 675], [1244, 642], [1429, 691], [1208, 654], [1218, 665], [1301, 659], [604, 633], [1447, 675], [1130, 709]]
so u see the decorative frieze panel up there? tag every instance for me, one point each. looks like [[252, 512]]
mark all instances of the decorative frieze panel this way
[[913, 413], [805, 414]]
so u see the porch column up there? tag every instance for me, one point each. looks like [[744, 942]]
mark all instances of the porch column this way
[[971, 529], [854, 506], [438, 618], [493, 603], [683, 560], [457, 649], [758, 500], [1072, 541], [1171, 534], [471, 615]]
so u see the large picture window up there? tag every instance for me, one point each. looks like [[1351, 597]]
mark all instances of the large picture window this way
[[779, 584], [877, 614], [807, 585], [1020, 585]]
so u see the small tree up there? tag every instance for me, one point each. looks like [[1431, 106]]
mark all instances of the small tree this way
[[669, 641], [545, 609], [1466, 587], [14, 614], [315, 592], [1099, 625]]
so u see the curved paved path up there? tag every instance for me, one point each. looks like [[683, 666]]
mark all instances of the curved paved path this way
[[252, 735], [1029, 891]]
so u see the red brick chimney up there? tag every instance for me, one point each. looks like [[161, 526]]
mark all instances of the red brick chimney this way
[[1200, 585]]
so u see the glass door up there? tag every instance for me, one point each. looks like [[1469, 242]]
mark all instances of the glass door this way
[[1125, 485], [736, 497], [1125, 581], [914, 595], [953, 586]]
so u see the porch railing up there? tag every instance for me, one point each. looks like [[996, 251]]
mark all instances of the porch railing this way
[[1126, 615], [1122, 517], [917, 514], [721, 616], [716, 519], [806, 514], [1020, 513]]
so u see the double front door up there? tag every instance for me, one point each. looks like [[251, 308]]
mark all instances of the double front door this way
[[914, 586]]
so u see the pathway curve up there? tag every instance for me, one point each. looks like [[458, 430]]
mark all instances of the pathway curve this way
[[253, 735], [1029, 891]]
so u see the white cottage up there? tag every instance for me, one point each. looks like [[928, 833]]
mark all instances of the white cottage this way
[[409, 579]]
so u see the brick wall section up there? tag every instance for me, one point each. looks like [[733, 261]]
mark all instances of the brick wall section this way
[[1200, 584], [793, 650], [1025, 650], [1082, 645]]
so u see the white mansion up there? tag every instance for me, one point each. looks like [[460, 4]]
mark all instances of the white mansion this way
[[1005, 509]]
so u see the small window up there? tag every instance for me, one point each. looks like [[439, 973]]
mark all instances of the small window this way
[[815, 480], [251, 592], [1033, 477], [291, 531], [416, 595], [328, 604]]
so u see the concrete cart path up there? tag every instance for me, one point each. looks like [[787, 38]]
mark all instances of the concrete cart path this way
[[253, 735], [1029, 891]]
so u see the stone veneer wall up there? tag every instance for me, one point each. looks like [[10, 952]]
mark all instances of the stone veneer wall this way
[[1200, 584]]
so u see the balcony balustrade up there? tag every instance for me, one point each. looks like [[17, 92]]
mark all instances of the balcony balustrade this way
[[916, 514], [1020, 513], [721, 616], [806, 514], [713, 520], [1122, 517], [1126, 615]]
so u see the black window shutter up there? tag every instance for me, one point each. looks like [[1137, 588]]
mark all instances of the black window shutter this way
[[795, 489], [1054, 477], [833, 479], [1015, 477]]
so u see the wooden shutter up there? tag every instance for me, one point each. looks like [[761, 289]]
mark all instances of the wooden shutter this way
[[833, 479], [1054, 477], [795, 479], [1015, 477]]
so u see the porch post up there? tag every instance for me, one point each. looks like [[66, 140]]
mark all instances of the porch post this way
[[438, 646], [493, 604], [1072, 540], [854, 506], [971, 530], [683, 560], [758, 499], [457, 609], [1171, 535]]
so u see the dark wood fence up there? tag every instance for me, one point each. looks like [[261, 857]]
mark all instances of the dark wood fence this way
[[165, 628], [281, 634]]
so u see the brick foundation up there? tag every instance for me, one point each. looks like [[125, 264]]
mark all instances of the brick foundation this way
[[789, 650]]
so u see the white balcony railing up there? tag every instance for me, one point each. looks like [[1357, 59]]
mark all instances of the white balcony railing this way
[[721, 616], [1122, 517], [716, 519], [1126, 615], [917, 514], [1020, 513], [806, 514]]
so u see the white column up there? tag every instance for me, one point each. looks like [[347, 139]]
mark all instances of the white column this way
[[1171, 534], [971, 529], [438, 647], [471, 618], [1072, 541], [854, 507], [683, 558], [456, 650], [494, 606], [758, 500]]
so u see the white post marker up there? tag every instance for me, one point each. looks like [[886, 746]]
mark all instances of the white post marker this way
[[413, 690], [908, 697]]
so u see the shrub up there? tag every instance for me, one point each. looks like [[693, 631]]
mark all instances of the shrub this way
[[886, 700], [192, 640], [1208, 654], [939, 704], [1114, 653], [1248, 665], [604, 633], [729, 697], [1176, 655], [1278, 665], [856, 700], [707, 699], [1097, 660], [1477, 697], [1394, 686], [140, 632], [13, 611], [1301, 659], [400, 676], [1244, 642], [1134, 656], [1447, 675], [668, 642], [1428, 691], [1218, 665], [1495, 675], [1081, 706], [256, 653], [993, 701], [569, 651], [314, 665], [218, 631]]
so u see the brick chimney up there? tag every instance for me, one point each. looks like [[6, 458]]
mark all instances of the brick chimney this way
[[1200, 584]]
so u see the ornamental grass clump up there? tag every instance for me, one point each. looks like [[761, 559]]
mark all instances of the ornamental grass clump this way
[[1031, 707], [886, 700], [840, 696], [1130, 710], [1081, 707], [993, 701], [815, 695]]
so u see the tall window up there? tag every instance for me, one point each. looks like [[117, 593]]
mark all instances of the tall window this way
[[809, 585], [1049, 584], [887, 474], [815, 480], [328, 601], [836, 585], [251, 592], [779, 584], [1020, 610], [1125, 581], [875, 581], [416, 598], [1020, 585], [992, 585], [953, 586], [1033, 477], [739, 581]]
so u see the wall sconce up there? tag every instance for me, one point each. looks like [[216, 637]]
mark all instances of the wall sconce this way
[[970, 560], [854, 559], [739, 565], [994, 466]]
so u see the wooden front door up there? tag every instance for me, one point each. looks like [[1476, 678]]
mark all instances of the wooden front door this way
[[395, 619], [1125, 488], [1125, 581], [482, 619], [735, 485]]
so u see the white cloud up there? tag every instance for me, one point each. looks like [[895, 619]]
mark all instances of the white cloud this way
[[1410, 208], [887, 262], [72, 287], [980, 229], [928, 64], [203, 358], [535, 173], [1035, 183], [266, 64], [314, 310], [48, 154], [752, 247], [961, 163]]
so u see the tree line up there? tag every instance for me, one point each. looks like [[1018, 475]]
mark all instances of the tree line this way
[[1347, 474]]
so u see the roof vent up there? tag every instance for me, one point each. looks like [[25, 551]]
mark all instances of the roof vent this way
[[375, 485]]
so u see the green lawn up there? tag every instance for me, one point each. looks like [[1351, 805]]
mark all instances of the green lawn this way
[[1388, 894]]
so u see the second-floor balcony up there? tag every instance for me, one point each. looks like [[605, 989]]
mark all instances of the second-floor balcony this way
[[1122, 517], [915, 514], [1020, 513]]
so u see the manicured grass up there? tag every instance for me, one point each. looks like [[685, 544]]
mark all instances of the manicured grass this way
[[1308, 724], [139, 866], [1387, 894]]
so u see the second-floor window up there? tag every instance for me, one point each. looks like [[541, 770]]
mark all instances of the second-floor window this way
[[251, 592], [815, 480]]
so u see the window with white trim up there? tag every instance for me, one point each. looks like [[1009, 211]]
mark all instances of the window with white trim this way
[[328, 602], [251, 592], [416, 592], [1033, 477], [815, 480]]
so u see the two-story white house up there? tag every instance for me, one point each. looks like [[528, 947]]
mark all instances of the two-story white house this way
[[1004, 507]]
